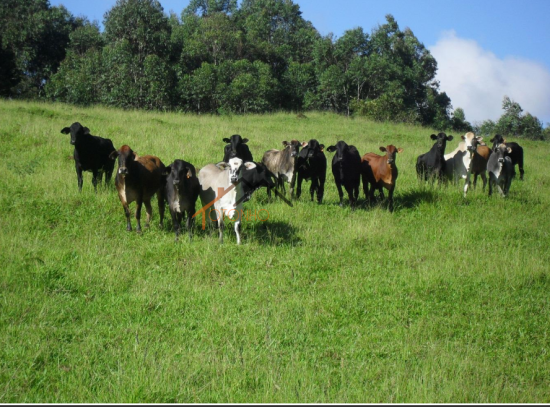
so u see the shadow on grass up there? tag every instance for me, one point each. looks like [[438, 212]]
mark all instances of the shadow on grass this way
[[272, 233], [411, 199]]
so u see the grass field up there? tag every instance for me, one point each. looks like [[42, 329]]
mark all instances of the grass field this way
[[447, 299]]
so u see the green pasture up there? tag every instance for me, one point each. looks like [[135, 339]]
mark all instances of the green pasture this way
[[445, 300]]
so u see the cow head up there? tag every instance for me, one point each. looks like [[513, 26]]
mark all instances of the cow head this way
[[294, 146], [311, 148], [497, 141], [471, 141], [341, 148], [126, 156], [391, 152], [234, 142], [235, 166], [441, 140], [78, 132], [501, 151], [179, 172]]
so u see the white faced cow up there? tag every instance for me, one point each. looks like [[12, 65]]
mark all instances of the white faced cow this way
[[501, 170], [222, 193], [458, 163]]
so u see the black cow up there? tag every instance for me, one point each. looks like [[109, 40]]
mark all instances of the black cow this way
[[346, 168], [236, 148], [312, 164], [91, 153], [255, 179], [431, 165], [516, 155], [182, 191]]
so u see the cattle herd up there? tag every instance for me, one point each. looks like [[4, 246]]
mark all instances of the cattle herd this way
[[225, 186]]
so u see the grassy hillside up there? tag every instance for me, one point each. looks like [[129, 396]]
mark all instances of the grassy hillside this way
[[444, 300]]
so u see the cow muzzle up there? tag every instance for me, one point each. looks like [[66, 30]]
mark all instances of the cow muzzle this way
[[176, 182], [501, 160], [390, 160], [123, 171]]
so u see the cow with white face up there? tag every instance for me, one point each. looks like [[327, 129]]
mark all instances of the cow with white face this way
[[458, 163], [501, 170], [222, 193]]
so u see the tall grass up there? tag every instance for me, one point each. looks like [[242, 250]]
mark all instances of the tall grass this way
[[446, 299]]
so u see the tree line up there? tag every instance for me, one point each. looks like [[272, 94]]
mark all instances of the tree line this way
[[219, 57]]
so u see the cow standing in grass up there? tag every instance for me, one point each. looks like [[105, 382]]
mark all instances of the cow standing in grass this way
[[346, 169], [501, 170], [460, 162], [282, 164], [431, 165], [138, 179], [91, 153], [515, 154], [222, 193], [380, 172], [312, 165], [182, 191]]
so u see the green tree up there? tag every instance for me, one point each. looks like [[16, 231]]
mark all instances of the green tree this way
[[34, 37]]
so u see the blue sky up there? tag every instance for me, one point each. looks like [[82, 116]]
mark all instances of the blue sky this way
[[485, 48]]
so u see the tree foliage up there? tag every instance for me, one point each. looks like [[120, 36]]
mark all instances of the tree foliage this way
[[222, 56]]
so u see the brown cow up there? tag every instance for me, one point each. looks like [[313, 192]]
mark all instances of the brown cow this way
[[380, 171], [138, 179], [479, 163]]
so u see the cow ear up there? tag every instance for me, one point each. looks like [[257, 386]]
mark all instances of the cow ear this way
[[504, 140], [249, 165], [136, 156], [86, 130], [433, 137], [285, 143], [509, 149], [65, 130], [222, 165], [382, 149], [449, 138], [399, 150], [226, 140], [322, 147], [331, 149], [463, 138], [245, 140], [479, 138], [114, 154], [493, 139], [482, 144], [189, 173], [304, 144], [167, 170]]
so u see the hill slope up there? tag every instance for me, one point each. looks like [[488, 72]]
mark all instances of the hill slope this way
[[444, 300]]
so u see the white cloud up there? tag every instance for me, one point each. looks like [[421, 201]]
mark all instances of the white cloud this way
[[476, 80]]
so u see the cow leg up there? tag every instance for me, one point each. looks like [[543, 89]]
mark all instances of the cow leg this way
[[475, 180], [380, 192], [189, 223], [371, 192], [299, 187], [292, 183], [340, 193], [138, 215], [162, 206], [321, 190], [176, 223], [365, 186], [127, 214], [79, 176], [314, 187], [238, 230], [520, 165], [466, 184], [390, 198], [491, 182], [221, 226], [95, 179], [148, 211], [350, 191], [484, 179]]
